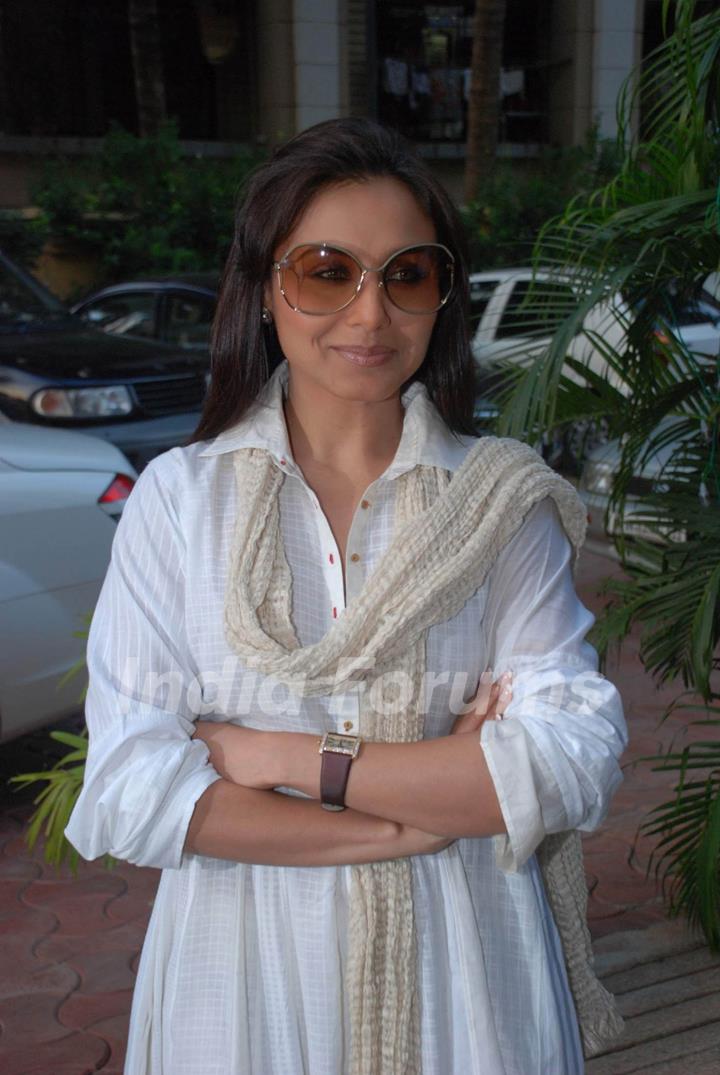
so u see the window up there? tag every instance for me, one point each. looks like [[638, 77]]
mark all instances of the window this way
[[424, 53], [548, 305], [123, 315], [481, 291], [188, 319]]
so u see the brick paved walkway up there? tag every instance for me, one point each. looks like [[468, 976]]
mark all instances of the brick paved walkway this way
[[70, 946]]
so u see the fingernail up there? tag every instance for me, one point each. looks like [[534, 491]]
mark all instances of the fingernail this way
[[505, 677], [505, 695]]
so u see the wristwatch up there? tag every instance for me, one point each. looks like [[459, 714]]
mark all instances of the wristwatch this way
[[338, 753]]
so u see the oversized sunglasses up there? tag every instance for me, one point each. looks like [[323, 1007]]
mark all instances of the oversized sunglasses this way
[[316, 278]]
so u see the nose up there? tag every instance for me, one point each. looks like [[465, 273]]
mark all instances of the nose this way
[[371, 306]]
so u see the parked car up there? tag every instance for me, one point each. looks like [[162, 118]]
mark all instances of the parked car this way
[[61, 494], [505, 329], [56, 371], [178, 310], [596, 484]]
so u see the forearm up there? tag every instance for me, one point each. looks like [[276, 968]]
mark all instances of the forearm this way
[[438, 785], [266, 827]]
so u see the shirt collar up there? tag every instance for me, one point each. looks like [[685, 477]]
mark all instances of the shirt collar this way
[[426, 440]]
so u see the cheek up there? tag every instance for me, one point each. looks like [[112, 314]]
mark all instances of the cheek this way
[[420, 334], [298, 334]]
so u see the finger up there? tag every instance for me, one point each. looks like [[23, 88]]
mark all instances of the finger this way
[[504, 700], [482, 698], [501, 697]]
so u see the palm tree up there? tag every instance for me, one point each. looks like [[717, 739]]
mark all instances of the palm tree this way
[[484, 100], [651, 236]]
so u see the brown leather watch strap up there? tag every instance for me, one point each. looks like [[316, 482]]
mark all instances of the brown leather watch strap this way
[[334, 773]]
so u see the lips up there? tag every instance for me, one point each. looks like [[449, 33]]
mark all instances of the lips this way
[[365, 356]]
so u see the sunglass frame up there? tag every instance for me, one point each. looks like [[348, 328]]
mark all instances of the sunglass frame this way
[[279, 266]]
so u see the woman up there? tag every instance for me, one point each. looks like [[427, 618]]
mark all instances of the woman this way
[[336, 553]]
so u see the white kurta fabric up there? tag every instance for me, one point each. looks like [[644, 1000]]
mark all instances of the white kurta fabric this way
[[242, 968]]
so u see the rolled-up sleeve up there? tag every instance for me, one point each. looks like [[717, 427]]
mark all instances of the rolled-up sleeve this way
[[554, 759], [144, 773]]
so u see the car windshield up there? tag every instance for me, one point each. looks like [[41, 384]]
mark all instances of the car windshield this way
[[697, 310], [680, 311], [24, 303]]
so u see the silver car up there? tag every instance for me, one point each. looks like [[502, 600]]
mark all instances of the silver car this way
[[61, 494], [596, 484]]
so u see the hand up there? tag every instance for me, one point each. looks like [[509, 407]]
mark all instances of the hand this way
[[490, 703], [242, 755]]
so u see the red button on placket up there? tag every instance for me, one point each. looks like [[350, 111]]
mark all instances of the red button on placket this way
[[334, 613], [332, 558]]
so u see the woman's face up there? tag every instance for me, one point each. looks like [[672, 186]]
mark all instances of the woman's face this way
[[366, 351]]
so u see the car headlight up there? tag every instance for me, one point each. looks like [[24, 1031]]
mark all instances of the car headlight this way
[[597, 478], [110, 402]]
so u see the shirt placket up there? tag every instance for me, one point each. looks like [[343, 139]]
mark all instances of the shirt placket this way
[[344, 706]]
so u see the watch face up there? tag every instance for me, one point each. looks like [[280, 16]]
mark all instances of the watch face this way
[[342, 744]]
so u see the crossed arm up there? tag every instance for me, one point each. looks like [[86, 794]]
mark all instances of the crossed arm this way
[[404, 799]]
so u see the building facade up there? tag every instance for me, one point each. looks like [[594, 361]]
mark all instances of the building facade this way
[[257, 71]]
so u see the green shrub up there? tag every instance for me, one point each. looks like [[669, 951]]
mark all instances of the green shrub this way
[[514, 203], [22, 239], [142, 206]]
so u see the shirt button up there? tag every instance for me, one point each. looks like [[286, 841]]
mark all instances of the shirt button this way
[[364, 503], [354, 557], [348, 725]]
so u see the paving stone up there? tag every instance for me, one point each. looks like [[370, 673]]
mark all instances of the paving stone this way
[[103, 971], [30, 1017], [623, 884], [114, 1032], [27, 927], [10, 892], [668, 1020], [18, 869], [599, 910], [648, 1056], [126, 938], [36, 977], [131, 905], [74, 1054], [705, 1063], [663, 995], [79, 904], [662, 970], [17, 847], [631, 948], [639, 918], [83, 1010]]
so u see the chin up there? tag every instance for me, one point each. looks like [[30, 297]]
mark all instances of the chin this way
[[368, 385]]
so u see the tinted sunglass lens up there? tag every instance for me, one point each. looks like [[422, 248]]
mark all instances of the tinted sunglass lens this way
[[419, 280], [319, 279]]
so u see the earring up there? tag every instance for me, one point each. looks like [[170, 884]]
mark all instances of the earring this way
[[266, 316]]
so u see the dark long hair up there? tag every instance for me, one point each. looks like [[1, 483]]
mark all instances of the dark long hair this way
[[244, 351]]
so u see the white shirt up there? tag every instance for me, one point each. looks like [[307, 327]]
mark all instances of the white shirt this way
[[242, 967]]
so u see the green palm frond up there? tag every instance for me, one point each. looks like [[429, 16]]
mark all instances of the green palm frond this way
[[641, 246], [55, 802], [62, 785], [686, 856]]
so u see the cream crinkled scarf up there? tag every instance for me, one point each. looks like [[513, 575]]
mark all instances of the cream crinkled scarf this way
[[448, 533]]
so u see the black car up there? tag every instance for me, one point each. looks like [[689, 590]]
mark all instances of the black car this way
[[177, 309], [55, 370]]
